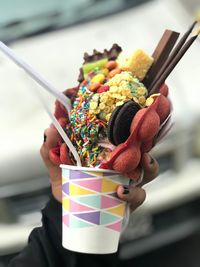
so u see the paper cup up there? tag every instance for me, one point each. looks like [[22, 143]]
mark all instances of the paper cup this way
[[92, 213]]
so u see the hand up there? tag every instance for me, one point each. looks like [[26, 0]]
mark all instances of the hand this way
[[135, 197], [51, 139]]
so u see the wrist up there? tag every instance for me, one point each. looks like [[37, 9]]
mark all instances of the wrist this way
[[57, 192]]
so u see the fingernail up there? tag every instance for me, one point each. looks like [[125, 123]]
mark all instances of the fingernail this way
[[45, 138], [126, 190]]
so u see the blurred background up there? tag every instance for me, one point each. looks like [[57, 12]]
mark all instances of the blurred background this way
[[52, 35]]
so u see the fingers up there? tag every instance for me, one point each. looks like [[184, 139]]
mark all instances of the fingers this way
[[60, 110], [134, 174], [71, 92], [151, 168], [135, 196], [51, 138]]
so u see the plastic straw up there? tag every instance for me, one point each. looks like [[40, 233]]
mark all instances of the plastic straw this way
[[36, 76], [61, 131]]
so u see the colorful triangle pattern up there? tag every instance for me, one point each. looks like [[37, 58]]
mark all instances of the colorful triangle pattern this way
[[65, 204], [92, 217], [64, 179], [65, 174], [65, 188], [107, 202], [107, 218], [75, 190], [77, 223], [66, 220], [80, 221], [115, 226], [93, 184], [92, 201], [77, 207], [96, 174], [89, 198], [119, 210], [108, 185], [80, 175]]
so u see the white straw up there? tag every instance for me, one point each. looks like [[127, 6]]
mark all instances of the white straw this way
[[61, 132], [36, 76]]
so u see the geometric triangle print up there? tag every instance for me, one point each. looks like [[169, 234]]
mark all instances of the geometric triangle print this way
[[93, 217], [115, 226], [74, 222], [107, 218], [76, 207], [66, 220], [75, 190], [65, 204], [109, 186], [64, 180], [79, 175], [65, 188], [118, 210], [97, 174], [92, 201], [93, 184], [108, 202]]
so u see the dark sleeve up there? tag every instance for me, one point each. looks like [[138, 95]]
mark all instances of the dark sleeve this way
[[45, 249]]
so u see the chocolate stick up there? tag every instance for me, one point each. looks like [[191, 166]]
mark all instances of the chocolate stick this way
[[173, 64], [173, 54], [161, 54]]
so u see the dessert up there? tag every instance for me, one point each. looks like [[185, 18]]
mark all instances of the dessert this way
[[105, 85], [120, 106], [109, 95]]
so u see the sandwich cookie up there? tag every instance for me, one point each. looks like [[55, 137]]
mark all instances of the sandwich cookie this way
[[120, 122]]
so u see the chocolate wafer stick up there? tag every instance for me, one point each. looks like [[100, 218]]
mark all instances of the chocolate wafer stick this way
[[160, 54], [173, 63], [172, 55]]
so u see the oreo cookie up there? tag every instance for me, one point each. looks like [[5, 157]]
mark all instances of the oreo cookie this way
[[120, 122]]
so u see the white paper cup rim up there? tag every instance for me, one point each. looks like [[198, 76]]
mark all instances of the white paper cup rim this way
[[79, 168]]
